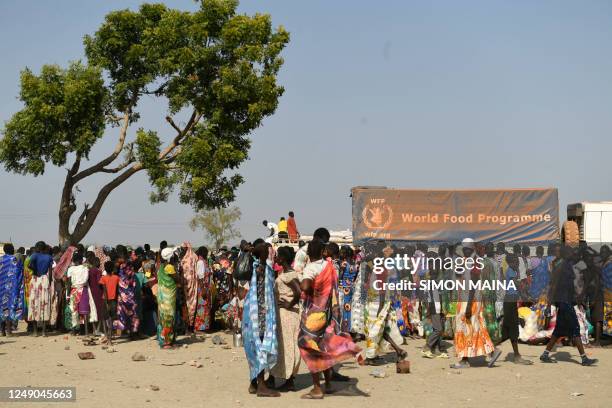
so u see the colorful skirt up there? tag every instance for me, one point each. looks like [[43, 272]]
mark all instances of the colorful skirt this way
[[39, 306], [471, 336]]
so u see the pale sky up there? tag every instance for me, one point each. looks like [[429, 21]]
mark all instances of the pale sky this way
[[446, 94]]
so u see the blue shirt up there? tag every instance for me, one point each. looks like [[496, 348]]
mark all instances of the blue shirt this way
[[511, 293], [40, 263]]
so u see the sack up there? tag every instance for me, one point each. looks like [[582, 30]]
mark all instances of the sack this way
[[244, 267], [402, 367]]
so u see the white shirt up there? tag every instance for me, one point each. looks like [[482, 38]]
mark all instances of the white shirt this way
[[78, 275], [273, 228], [313, 269], [301, 259]]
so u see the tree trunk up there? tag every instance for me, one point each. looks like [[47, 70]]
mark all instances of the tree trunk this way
[[89, 214]]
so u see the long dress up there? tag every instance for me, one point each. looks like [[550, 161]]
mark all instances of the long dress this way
[[96, 291], [287, 291], [321, 342], [348, 274], [127, 316], [259, 322], [166, 303], [189, 266], [471, 335], [380, 319], [359, 298], [202, 318], [11, 289]]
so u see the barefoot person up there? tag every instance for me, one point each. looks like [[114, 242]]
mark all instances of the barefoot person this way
[[259, 322], [11, 289], [166, 298], [321, 343], [287, 291], [471, 336]]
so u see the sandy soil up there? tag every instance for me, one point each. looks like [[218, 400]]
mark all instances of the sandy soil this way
[[113, 379]]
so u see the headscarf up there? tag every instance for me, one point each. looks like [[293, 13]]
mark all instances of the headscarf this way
[[64, 263], [99, 252]]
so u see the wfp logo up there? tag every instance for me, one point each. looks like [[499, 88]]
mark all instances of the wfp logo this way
[[376, 214]]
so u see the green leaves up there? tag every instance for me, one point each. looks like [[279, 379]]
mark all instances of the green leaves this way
[[213, 62], [63, 113]]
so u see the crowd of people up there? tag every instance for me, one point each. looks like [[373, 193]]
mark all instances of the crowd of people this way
[[314, 304]]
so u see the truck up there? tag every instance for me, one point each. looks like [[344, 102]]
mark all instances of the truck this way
[[589, 222]]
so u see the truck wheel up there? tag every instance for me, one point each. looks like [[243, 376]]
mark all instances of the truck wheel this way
[[571, 233]]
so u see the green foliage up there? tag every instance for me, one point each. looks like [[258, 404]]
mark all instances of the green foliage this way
[[218, 224], [213, 62], [63, 113]]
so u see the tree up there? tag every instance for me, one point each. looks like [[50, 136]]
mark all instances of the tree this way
[[218, 224], [213, 66]]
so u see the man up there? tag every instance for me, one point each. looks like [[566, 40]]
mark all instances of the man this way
[[11, 290], [510, 323], [273, 231], [562, 295], [292, 228], [282, 229]]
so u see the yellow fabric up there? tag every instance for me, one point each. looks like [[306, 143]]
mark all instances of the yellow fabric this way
[[282, 226], [169, 269]]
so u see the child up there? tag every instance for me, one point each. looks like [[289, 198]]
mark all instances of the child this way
[[110, 281]]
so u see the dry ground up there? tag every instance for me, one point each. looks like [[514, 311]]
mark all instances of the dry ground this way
[[113, 379]]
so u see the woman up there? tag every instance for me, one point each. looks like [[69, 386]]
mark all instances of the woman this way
[[287, 292], [348, 274], [127, 316], [259, 322], [94, 287], [471, 336], [166, 298], [81, 301], [190, 285], [382, 323], [321, 343], [204, 276]]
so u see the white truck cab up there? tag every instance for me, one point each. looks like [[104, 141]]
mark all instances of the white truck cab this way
[[590, 222]]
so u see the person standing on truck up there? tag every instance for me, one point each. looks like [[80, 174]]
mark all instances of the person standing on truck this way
[[273, 231], [292, 228], [563, 296]]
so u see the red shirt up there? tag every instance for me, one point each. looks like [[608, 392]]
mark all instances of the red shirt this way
[[110, 282]]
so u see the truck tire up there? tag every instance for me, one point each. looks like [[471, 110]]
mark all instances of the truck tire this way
[[571, 233]]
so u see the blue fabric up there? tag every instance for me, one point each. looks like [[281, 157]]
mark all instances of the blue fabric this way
[[606, 275], [540, 279], [40, 263], [511, 276], [11, 288], [261, 354]]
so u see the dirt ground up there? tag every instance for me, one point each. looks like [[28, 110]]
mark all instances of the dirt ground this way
[[113, 379]]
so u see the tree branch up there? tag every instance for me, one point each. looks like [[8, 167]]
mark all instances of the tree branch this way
[[98, 167], [89, 214], [193, 120]]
